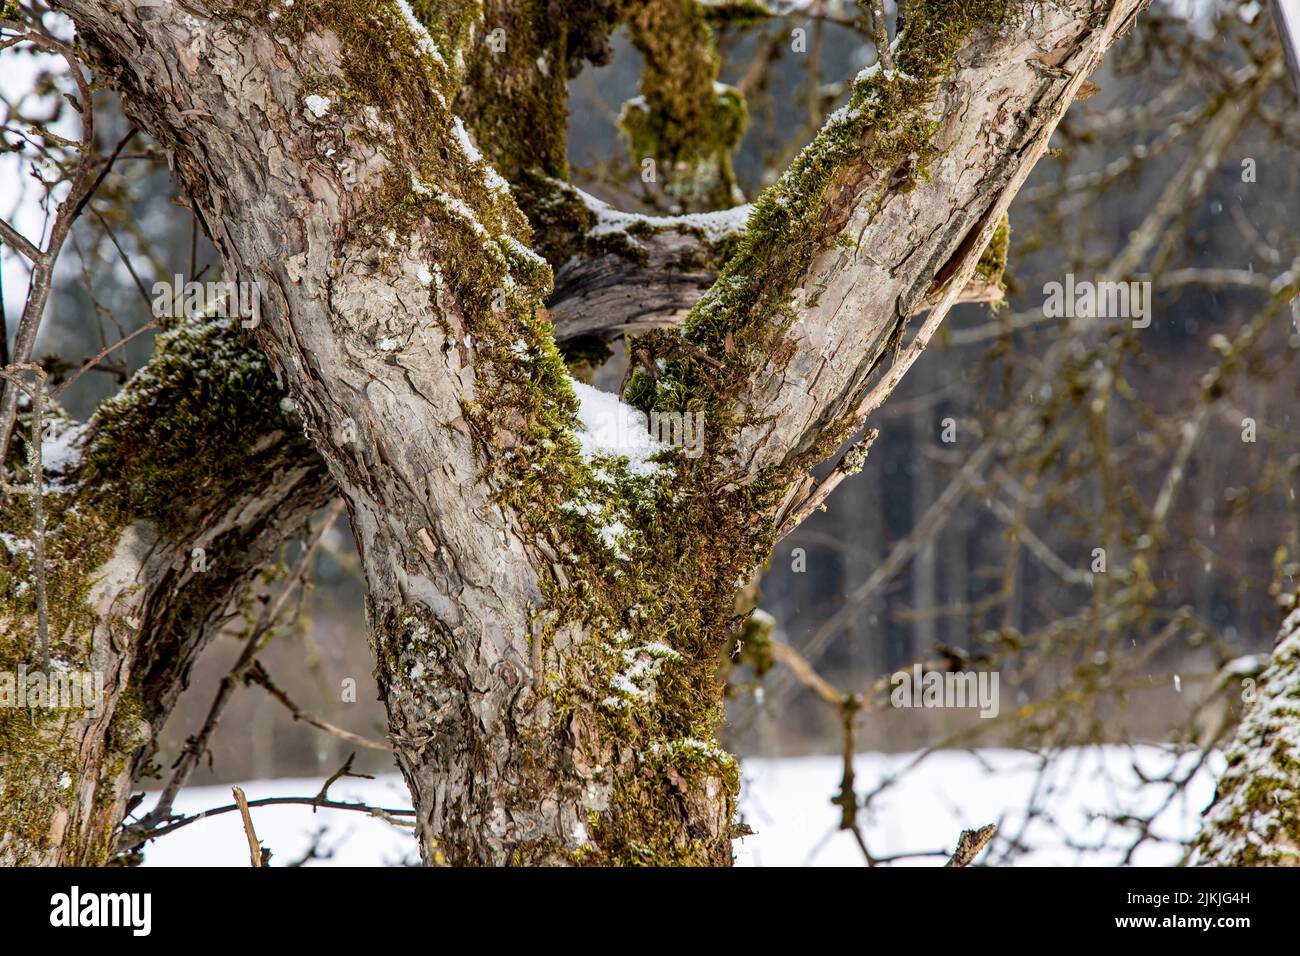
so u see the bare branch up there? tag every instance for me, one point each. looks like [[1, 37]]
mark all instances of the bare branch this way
[[257, 675], [43, 262], [255, 850], [971, 843]]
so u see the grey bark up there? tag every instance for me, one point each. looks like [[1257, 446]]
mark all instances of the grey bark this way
[[66, 779], [388, 375]]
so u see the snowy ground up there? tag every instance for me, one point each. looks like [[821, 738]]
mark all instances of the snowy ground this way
[[788, 802]]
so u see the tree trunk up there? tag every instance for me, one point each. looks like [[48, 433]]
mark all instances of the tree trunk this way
[[546, 613], [179, 492], [1255, 817]]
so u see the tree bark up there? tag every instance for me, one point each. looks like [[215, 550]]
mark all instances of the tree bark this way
[[546, 618], [178, 492], [1254, 819]]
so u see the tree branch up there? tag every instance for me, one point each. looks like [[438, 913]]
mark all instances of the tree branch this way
[[847, 246]]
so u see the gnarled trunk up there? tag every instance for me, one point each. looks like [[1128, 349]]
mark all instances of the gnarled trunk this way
[[547, 613]]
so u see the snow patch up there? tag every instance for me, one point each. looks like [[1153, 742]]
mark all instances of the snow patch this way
[[421, 34], [317, 105], [466, 144], [787, 801], [612, 428], [713, 226]]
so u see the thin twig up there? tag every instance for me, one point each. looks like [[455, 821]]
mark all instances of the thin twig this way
[[19, 243], [850, 463], [387, 814], [43, 263], [320, 801], [126, 260], [805, 674], [257, 675], [103, 173], [254, 844], [102, 353], [880, 35], [337, 775], [4, 327], [970, 843]]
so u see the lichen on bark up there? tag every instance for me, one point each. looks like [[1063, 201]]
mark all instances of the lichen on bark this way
[[1255, 817]]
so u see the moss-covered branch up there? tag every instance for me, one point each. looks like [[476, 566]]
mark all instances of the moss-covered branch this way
[[1255, 817], [889, 209], [161, 511], [685, 123]]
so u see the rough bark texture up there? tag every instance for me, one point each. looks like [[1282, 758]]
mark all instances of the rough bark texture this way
[[632, 273], [547, 618], [193, 454], [1255, 817]]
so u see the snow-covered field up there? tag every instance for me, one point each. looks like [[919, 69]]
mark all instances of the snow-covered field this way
[[788, 802]]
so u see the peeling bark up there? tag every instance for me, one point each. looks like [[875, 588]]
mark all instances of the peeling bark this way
[[137, 603], [547, 622]]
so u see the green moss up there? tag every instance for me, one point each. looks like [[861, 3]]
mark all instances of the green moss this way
[[191, 431], [738, 13], [39, 752], [656, 808], [886, 127], [1255, 820], [560, 218], [516, 90], [684, 120], [1267, 816], [77, 540], [993, 262], [756, 642], [204, 415]]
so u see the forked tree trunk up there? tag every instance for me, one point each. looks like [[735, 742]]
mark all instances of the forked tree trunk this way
[[547, 621]]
